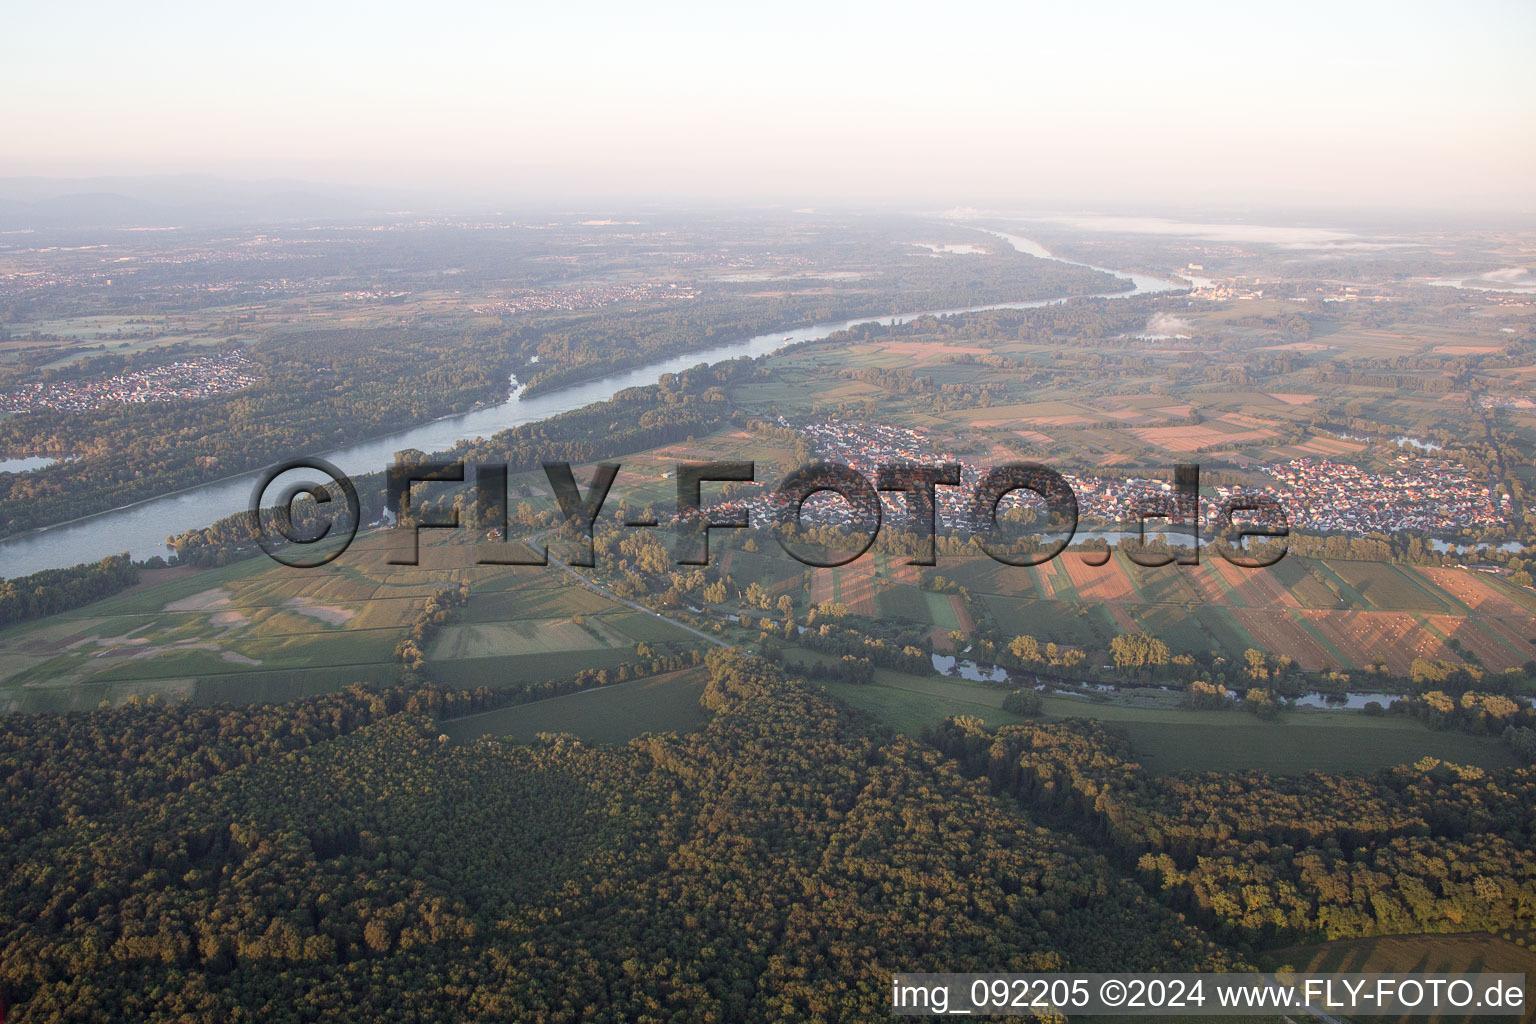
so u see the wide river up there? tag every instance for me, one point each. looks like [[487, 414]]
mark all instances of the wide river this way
[[141, 528]]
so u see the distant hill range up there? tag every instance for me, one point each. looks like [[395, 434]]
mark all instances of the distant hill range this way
[[186, 200]]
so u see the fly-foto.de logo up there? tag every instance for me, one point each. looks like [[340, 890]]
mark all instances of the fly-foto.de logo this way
[[308, 512]]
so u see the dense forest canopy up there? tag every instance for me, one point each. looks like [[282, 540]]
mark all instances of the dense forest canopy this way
[[339, 856]]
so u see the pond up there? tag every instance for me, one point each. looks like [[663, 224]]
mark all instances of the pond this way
[[1346, 702], [25, 464], [947, 665]]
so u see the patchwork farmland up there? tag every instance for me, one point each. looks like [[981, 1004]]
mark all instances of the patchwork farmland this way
[[1321, 614]]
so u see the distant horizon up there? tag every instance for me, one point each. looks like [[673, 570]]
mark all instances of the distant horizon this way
[[194, 190], [1407, 105]]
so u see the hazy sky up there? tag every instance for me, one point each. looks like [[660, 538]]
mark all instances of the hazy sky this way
[[1012, 103]]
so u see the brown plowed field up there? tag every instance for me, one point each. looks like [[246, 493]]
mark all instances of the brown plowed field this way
[[921, 352], [967, 624], [1189, 439], [821, 585], [1476, 593], [1206, 579], [1278, 633], [1258, 588], [1475, 637], [1394, 637], [1043, 578], [1518, 634], [1123, 618], [1106, 582], [856, 589]]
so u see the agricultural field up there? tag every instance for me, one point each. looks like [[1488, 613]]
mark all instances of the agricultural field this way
[[1112, 419], [1320, 614], [73, 338], [249, 631], [254, 629], [609, 714], [258, 631], [492, 644], [620, 829]]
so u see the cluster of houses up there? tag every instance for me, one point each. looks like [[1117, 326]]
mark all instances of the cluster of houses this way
[[586, 297], [1432, 496], [865, 447], [868, 446], [198, 377], [1426, 495]]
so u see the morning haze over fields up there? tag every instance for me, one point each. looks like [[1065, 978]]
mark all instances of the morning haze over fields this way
[[320, 327]]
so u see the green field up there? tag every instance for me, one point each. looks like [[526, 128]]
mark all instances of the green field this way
[[609, 714], [940, 612], [528, 636], [258, 631], [300, 632], [1170, 739], [251, 630], [902, 603]]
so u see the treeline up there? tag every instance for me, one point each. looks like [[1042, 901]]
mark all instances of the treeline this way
[[648, 662], [1438, 384], [1512, 719], [847, 669], [859, 641], [1265, 860], [691, 403], [1084, 321], [1404, 547], [432, 617], [58, 590]]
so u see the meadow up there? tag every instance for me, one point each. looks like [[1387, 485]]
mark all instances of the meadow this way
[[1170, 739], [615, 713]]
